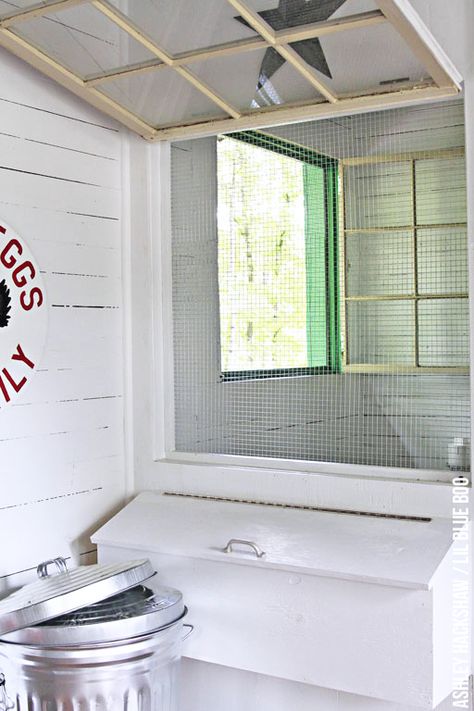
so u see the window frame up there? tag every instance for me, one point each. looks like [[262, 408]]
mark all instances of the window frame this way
[[416, 297], [283, 480], [330, 166]]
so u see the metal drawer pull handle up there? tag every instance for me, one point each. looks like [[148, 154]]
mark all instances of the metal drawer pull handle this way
[[188, 634], [42, 569], [233, 541]]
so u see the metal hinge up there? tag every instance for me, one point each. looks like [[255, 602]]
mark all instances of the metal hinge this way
[[302, 507]]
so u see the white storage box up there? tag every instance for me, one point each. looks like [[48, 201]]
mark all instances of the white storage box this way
[[355, 603]]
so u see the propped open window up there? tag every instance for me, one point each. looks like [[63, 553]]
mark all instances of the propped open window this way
[[199, 67], [277, 259]]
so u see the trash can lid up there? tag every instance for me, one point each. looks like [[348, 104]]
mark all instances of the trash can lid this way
[[67, 590], [147, 608]]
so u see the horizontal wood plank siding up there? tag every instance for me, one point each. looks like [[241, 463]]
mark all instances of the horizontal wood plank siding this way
[[61, 442]]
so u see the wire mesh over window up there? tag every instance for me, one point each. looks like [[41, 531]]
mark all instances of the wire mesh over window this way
[[406, 266], [276, 301], [320, 290]]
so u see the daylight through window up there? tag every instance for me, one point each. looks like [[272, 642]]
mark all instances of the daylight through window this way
[[277, 258]]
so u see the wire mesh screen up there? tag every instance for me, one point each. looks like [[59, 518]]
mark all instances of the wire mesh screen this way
[[320, 291]]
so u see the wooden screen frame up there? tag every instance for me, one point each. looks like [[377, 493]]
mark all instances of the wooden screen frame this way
[[445, 79], [414, 227]]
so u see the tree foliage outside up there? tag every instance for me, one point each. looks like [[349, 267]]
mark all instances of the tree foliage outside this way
[[262, 260]]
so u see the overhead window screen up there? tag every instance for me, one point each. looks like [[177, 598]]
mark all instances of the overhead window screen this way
[[173, 68], [320, 290]]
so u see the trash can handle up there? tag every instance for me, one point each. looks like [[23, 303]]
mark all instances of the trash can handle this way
[[258, 551], [5, 702], [188, 634], [42, 569]]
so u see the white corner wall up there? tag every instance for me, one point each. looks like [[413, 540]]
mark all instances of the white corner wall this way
[[62, 441], [62, 460]]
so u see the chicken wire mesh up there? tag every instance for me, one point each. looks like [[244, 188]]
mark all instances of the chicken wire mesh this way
[[320, 290]]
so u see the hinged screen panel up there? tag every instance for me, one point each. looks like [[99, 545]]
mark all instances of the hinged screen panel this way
[[405, 236]]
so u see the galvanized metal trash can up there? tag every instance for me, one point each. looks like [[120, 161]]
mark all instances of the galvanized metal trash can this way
[[96, 638]]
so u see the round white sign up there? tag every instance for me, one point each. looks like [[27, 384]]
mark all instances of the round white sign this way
[[23, 315]]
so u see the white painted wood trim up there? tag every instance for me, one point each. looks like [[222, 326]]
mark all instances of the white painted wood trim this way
[[122, 21], [311, 76], [254, 20], [207, 91], [276, 117], [162, 289], [127, 315], [408, 23], [328, 490], [337, 24], [397, 157], [128, 70], [292, 465], [401, 368]]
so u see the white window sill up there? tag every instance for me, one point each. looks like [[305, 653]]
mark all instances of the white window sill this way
[[296, 467]]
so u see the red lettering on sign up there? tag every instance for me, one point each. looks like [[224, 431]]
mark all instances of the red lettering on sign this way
[[4, 390], [6, 377], [22, 273], [19, 278], [20, 355], [10, 262], [16, 386], [28, 305], [21, 291]]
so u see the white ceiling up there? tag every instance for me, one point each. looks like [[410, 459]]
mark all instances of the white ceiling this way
[[87, 42]]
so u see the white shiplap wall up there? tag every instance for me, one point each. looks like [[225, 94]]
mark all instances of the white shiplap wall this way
[[61, 443]]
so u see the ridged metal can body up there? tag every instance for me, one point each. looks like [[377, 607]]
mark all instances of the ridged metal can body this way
[[136, 674]]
